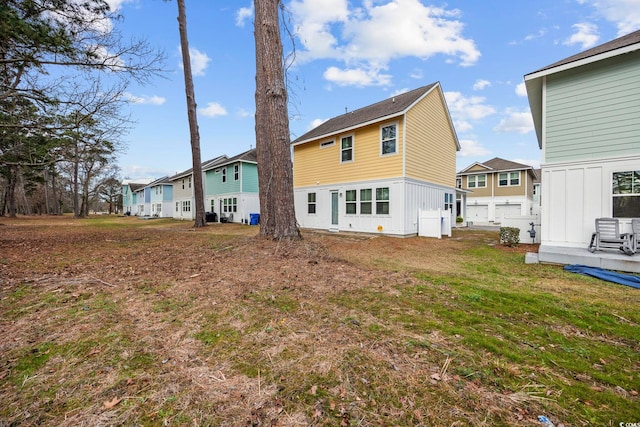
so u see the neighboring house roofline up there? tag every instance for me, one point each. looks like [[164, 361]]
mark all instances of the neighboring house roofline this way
[[249, 156], [625, 44], [163, 180], [463, 171], [496, 165], [534, 81], [204, 165], [387, 109], [348, 129], [136, 186]]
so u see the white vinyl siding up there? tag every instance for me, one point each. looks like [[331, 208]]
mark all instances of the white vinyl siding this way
[[594, 111]]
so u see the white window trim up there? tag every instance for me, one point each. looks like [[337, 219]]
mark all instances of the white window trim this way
[[353, 146], [381, 141], [475, 179], [509, 179], [327, 144]]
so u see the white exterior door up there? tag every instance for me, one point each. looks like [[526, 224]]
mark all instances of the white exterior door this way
[[334, 210]]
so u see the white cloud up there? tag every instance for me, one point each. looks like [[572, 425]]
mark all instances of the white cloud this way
[[199, 61], [213, 109], [115, 5], [463, 109], [144, 99], [243, 14], [481, 84], [470, 148], [370, 36], [242, 113], [533, 163], [399, 92], [135, 172], [315, 123], [416, 73], [521, 89], [586, 35], [539, 34], [356, 77], [625, 14], [515, 121]]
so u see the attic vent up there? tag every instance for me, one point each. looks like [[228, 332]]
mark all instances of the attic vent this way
[[393, 99]]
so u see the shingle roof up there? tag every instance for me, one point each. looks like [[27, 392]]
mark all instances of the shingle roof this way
[[136, 186], [205, 164], [624, 41], [248, 156], [497, 164], [389, 107], [163, 180]]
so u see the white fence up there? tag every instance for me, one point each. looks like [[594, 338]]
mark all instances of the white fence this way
[[434, 223]]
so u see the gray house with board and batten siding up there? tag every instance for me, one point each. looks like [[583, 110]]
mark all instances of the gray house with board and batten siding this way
[[586, 112]]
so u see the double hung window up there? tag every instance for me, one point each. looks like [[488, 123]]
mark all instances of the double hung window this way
[[477, 181], [626, 194], [350, 196], [346, 149], [506, 179], [311, 203], [388, 141], [382, 201], [365, 201]]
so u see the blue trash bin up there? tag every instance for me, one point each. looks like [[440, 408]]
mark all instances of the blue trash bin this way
[[254, 219]]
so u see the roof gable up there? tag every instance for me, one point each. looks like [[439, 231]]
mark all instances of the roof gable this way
[[249, 156], [205, 164], [390, 107], [533, 81], [496, 165]]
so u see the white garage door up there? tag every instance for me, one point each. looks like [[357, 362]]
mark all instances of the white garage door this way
[[477, 213], [507, 210]]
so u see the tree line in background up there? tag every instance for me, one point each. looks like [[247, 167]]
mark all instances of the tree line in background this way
[[64, 70]]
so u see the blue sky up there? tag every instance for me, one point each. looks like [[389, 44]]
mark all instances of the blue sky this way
[[350, 54]]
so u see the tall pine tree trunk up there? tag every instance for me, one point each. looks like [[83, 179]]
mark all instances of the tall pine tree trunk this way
[[193, 119], [10, 194], [275, 172], [45, 187], [76, 184]]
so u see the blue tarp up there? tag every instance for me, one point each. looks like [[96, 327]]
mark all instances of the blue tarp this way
[[608, 275]]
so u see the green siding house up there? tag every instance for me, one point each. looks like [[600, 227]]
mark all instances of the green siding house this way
[[183, 190], [586, 112], [130, 188], [231, 188]]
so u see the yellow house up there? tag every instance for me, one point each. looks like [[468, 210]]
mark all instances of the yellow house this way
[[374, 169]]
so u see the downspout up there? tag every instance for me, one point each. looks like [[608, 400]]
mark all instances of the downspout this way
[[493, 202], [404, 171]]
